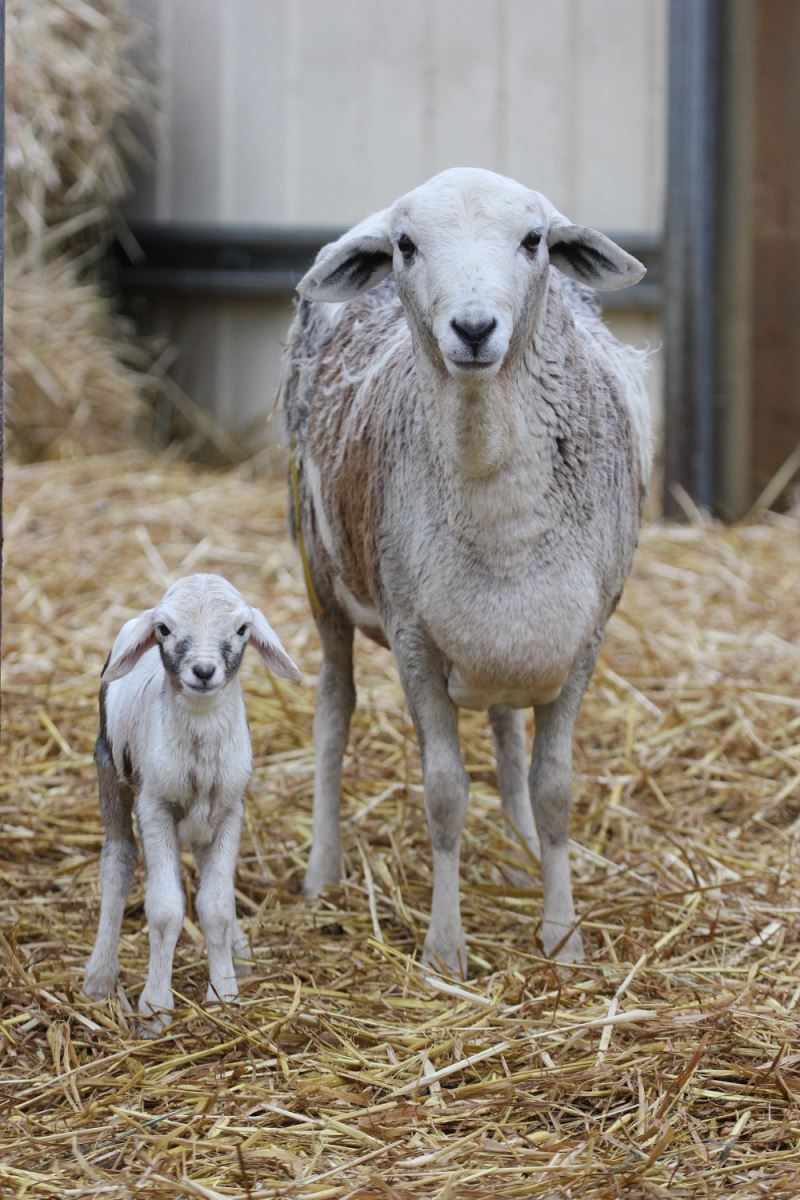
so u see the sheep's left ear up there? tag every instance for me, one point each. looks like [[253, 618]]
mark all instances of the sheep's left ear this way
[[591, 257], [268, 645], [358, 261], [136, 637]]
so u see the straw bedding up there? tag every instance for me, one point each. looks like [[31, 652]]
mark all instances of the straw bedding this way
[[666, 1066]]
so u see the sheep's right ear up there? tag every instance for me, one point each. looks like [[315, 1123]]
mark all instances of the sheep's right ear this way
[[355, 263], [136, 637]]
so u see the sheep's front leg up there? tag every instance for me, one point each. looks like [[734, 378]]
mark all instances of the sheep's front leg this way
[[508, 728], [446, 788], [163, 904], [216, 905], [336, 699], [551, 785], [116, 876]]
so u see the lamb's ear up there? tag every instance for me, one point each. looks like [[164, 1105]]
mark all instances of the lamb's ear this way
[[355, 263], [136, 637], [268, 645], [591, 257]]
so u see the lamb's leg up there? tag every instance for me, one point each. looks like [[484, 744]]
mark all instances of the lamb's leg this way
[[508, 728], [116, 875], [216, 905], [551, 782], [336, 699], [446, 788], [163, 904]]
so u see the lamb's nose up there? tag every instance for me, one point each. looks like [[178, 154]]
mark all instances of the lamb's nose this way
[[474, 333], [204, 671]]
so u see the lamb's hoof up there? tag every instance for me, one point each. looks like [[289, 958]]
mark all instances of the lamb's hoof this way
[[154, 1017], [517, 877], [242, 959], [446, 956], [562, 942], [227, 994], [100, 982]]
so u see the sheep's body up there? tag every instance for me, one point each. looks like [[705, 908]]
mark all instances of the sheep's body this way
[[511, 573], [174, 735], [477, 514]]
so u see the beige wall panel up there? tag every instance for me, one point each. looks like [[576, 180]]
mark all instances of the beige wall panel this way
[[252, 162], [540, 100], [618, 184], [318, 112]]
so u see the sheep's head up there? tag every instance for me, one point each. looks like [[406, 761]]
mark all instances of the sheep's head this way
[[471, 252], [202, 627]]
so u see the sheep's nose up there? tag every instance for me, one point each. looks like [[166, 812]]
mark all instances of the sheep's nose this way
[[474, 333], [204, 671]]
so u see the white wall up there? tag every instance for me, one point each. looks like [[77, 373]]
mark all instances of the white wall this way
[[317, 112]]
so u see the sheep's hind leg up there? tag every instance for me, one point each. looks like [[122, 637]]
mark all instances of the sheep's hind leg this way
[[336, 699], [551, 785], [508, 728], [117, 862]]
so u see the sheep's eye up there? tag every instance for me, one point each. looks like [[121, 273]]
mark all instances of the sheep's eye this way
[[406, 246], [531, 241], [162, 630], [241, 631]]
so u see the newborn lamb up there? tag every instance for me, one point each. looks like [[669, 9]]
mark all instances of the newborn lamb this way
[[173, 732]]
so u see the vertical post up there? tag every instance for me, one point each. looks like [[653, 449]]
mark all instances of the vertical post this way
[[690, 291]]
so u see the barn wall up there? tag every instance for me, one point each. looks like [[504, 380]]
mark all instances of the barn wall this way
[[316, 112]]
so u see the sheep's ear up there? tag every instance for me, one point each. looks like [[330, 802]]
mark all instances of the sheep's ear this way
[[133, 640], [591, 257], [355, 263], [268, 645]]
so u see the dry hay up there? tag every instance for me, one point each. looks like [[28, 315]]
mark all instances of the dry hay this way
[[667, 1066], [76, 380], [70, 392]]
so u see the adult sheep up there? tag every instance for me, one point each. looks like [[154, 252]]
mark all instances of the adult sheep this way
[[472, 450]]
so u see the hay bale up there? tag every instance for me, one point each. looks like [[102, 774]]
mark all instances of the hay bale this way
[[666, 1066], [76, 378]]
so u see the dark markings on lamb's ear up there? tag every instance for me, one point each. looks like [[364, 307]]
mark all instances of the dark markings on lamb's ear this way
[[358, 269], [105, 664], [231, 658]]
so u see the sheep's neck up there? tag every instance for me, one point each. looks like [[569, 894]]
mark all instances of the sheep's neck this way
[[493, 448]]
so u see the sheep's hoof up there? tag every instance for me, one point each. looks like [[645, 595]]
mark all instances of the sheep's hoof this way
[[317, 878], [446, 956], [100, 982], [561, 942]]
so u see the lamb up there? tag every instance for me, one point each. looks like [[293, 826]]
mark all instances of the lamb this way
[[173, 728], [472, 450]]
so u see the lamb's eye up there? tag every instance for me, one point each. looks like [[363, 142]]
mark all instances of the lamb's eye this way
[[241, 631], [531, 241], [406, 246], [163, 630]]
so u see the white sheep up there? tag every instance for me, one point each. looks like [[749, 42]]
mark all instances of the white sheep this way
[[472, 447], [173, 733]]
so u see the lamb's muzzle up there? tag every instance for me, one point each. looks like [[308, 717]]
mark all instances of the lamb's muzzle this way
[[472, 448], [174, 738]]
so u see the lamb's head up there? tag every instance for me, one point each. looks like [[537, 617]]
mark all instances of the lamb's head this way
[[471, 252], [202, 626]]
